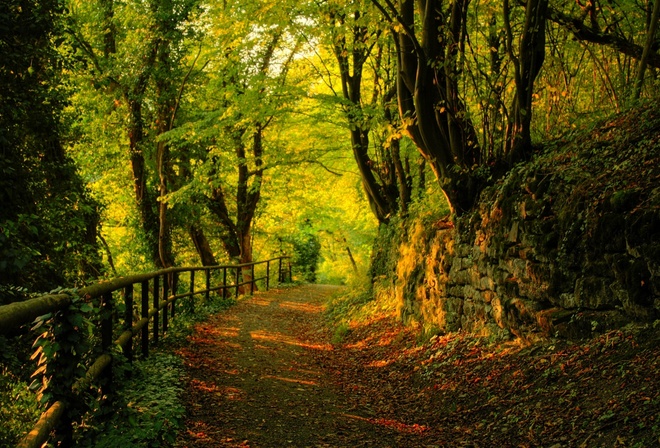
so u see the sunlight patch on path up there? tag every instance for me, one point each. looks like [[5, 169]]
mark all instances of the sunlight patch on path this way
[[290, 380], [393, 424], [261, 376], [281, 338], [306, 307]]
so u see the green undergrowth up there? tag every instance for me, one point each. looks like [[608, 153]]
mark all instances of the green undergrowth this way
[[346, 304], [147, 411], [19, 406], [182, 325], [359, 302], [19, 409], [147, 408]]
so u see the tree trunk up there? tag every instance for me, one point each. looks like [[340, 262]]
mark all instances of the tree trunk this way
[[350, 256], [650, 39], [245, 241], [202, 245], [403, 177], [429, 96], [527, 64], [493, 115], [108, 253], [583, 32], [109, 45], [381, 208], [218, 207], [164, 231], [145, 200]]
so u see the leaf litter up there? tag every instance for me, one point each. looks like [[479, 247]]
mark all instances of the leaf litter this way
[[267, 373]]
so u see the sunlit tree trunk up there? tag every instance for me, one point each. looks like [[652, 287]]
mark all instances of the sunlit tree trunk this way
[[134, 94], [217, 205], [109, 42], [165, 106], [249, 193], [237, 234], [350, 255]]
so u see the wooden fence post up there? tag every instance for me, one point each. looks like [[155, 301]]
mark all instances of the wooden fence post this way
[[166, 296], [208, 284], [224, 283], [267, 275], [238, 271], [279, 272], [128, 321], [106, 338], [156, 294], [192, 291], [145, 313], [252, 279], [175, 287]]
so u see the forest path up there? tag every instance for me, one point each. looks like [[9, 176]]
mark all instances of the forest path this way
[[264, 374]]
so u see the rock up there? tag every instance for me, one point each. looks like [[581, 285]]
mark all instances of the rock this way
[[593, 293]]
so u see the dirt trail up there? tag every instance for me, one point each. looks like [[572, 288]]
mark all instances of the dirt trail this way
[[261, 375], [264, 374]]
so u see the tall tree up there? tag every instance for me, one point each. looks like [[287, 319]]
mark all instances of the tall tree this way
[[364, 60], [244, 97], [48, 221], [430, 42], [138, 70]]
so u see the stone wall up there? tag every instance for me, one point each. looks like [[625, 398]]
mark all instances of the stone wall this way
[[554, 249]]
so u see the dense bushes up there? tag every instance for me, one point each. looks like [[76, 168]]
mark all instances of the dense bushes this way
[[47, 219]]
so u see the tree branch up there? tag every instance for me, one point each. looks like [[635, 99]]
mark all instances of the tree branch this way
[[589, 34], [300, 162], [406, 29], [183, 85]]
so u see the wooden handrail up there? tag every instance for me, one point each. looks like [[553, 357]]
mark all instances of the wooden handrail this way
[[16, 314]]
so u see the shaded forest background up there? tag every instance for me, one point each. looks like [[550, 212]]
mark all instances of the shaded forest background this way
[[138, 135]]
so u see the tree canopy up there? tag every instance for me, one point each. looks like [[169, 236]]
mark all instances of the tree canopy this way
[[143, 134]]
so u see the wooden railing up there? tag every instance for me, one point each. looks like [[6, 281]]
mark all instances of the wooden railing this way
[[158, 298]]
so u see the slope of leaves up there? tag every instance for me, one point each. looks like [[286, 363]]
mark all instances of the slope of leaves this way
[[462, 390]]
